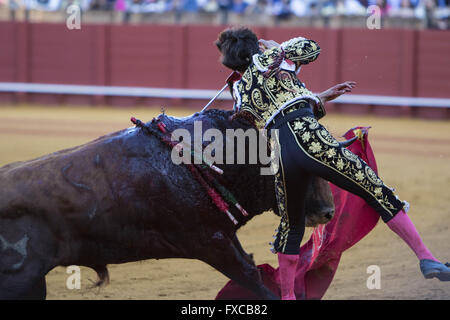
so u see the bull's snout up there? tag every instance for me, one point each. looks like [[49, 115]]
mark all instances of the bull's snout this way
[[328, 214], [319, 203], [322, 216]]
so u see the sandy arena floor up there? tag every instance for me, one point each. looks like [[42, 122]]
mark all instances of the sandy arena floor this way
[[412, 155]]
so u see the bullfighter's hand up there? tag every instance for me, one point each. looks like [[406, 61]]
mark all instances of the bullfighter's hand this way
[[337, 90]]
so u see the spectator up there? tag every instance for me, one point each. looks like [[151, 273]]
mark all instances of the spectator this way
[[239, 6], [327, 8], [190, 6], [208, 5], [404, 11], [350, 7], [300, 7], [394, 4], [224, 7], [354, 7], [120, 5], [134, 6], [281, 9], [384, 7], [99, 4], [225, 4], [259, 7]]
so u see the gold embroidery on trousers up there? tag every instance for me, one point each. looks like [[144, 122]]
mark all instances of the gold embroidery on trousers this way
[[318, 145], [282, 200]]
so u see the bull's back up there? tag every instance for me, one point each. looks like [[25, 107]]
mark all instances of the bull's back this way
[[53, 179]]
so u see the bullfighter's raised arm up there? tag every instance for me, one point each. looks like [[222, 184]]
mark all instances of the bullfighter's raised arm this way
[[298, 50]]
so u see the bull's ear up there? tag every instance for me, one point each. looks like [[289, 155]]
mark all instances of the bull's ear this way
[[345, 144]]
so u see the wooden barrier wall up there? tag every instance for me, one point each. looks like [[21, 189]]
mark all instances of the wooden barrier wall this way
[[383, 62]]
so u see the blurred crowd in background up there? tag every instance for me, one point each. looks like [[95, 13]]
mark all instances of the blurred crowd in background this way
[[282, 9]]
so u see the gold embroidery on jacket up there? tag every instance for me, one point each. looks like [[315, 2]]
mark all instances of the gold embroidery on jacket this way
[[257, 100], [247, 78], [268, 58]]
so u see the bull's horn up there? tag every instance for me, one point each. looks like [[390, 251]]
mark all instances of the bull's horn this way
[[345, 144]]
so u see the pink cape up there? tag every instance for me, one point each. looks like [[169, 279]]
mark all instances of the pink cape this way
[[320, 256]]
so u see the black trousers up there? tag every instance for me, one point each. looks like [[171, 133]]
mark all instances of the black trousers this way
[[307, 149]]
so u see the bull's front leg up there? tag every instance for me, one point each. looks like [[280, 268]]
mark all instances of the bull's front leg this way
[[247, 256], [231, 261]]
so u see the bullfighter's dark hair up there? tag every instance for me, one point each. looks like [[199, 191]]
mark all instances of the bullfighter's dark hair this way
[[237, 45]]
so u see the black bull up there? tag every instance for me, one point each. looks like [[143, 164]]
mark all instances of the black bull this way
[[119, 199]]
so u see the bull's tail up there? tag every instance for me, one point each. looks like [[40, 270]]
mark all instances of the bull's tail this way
[[103, 276]]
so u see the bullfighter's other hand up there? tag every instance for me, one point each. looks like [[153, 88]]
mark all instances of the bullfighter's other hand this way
[[267, 44]]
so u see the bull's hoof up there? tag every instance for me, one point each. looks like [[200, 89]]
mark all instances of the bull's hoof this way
[[433, 269]]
